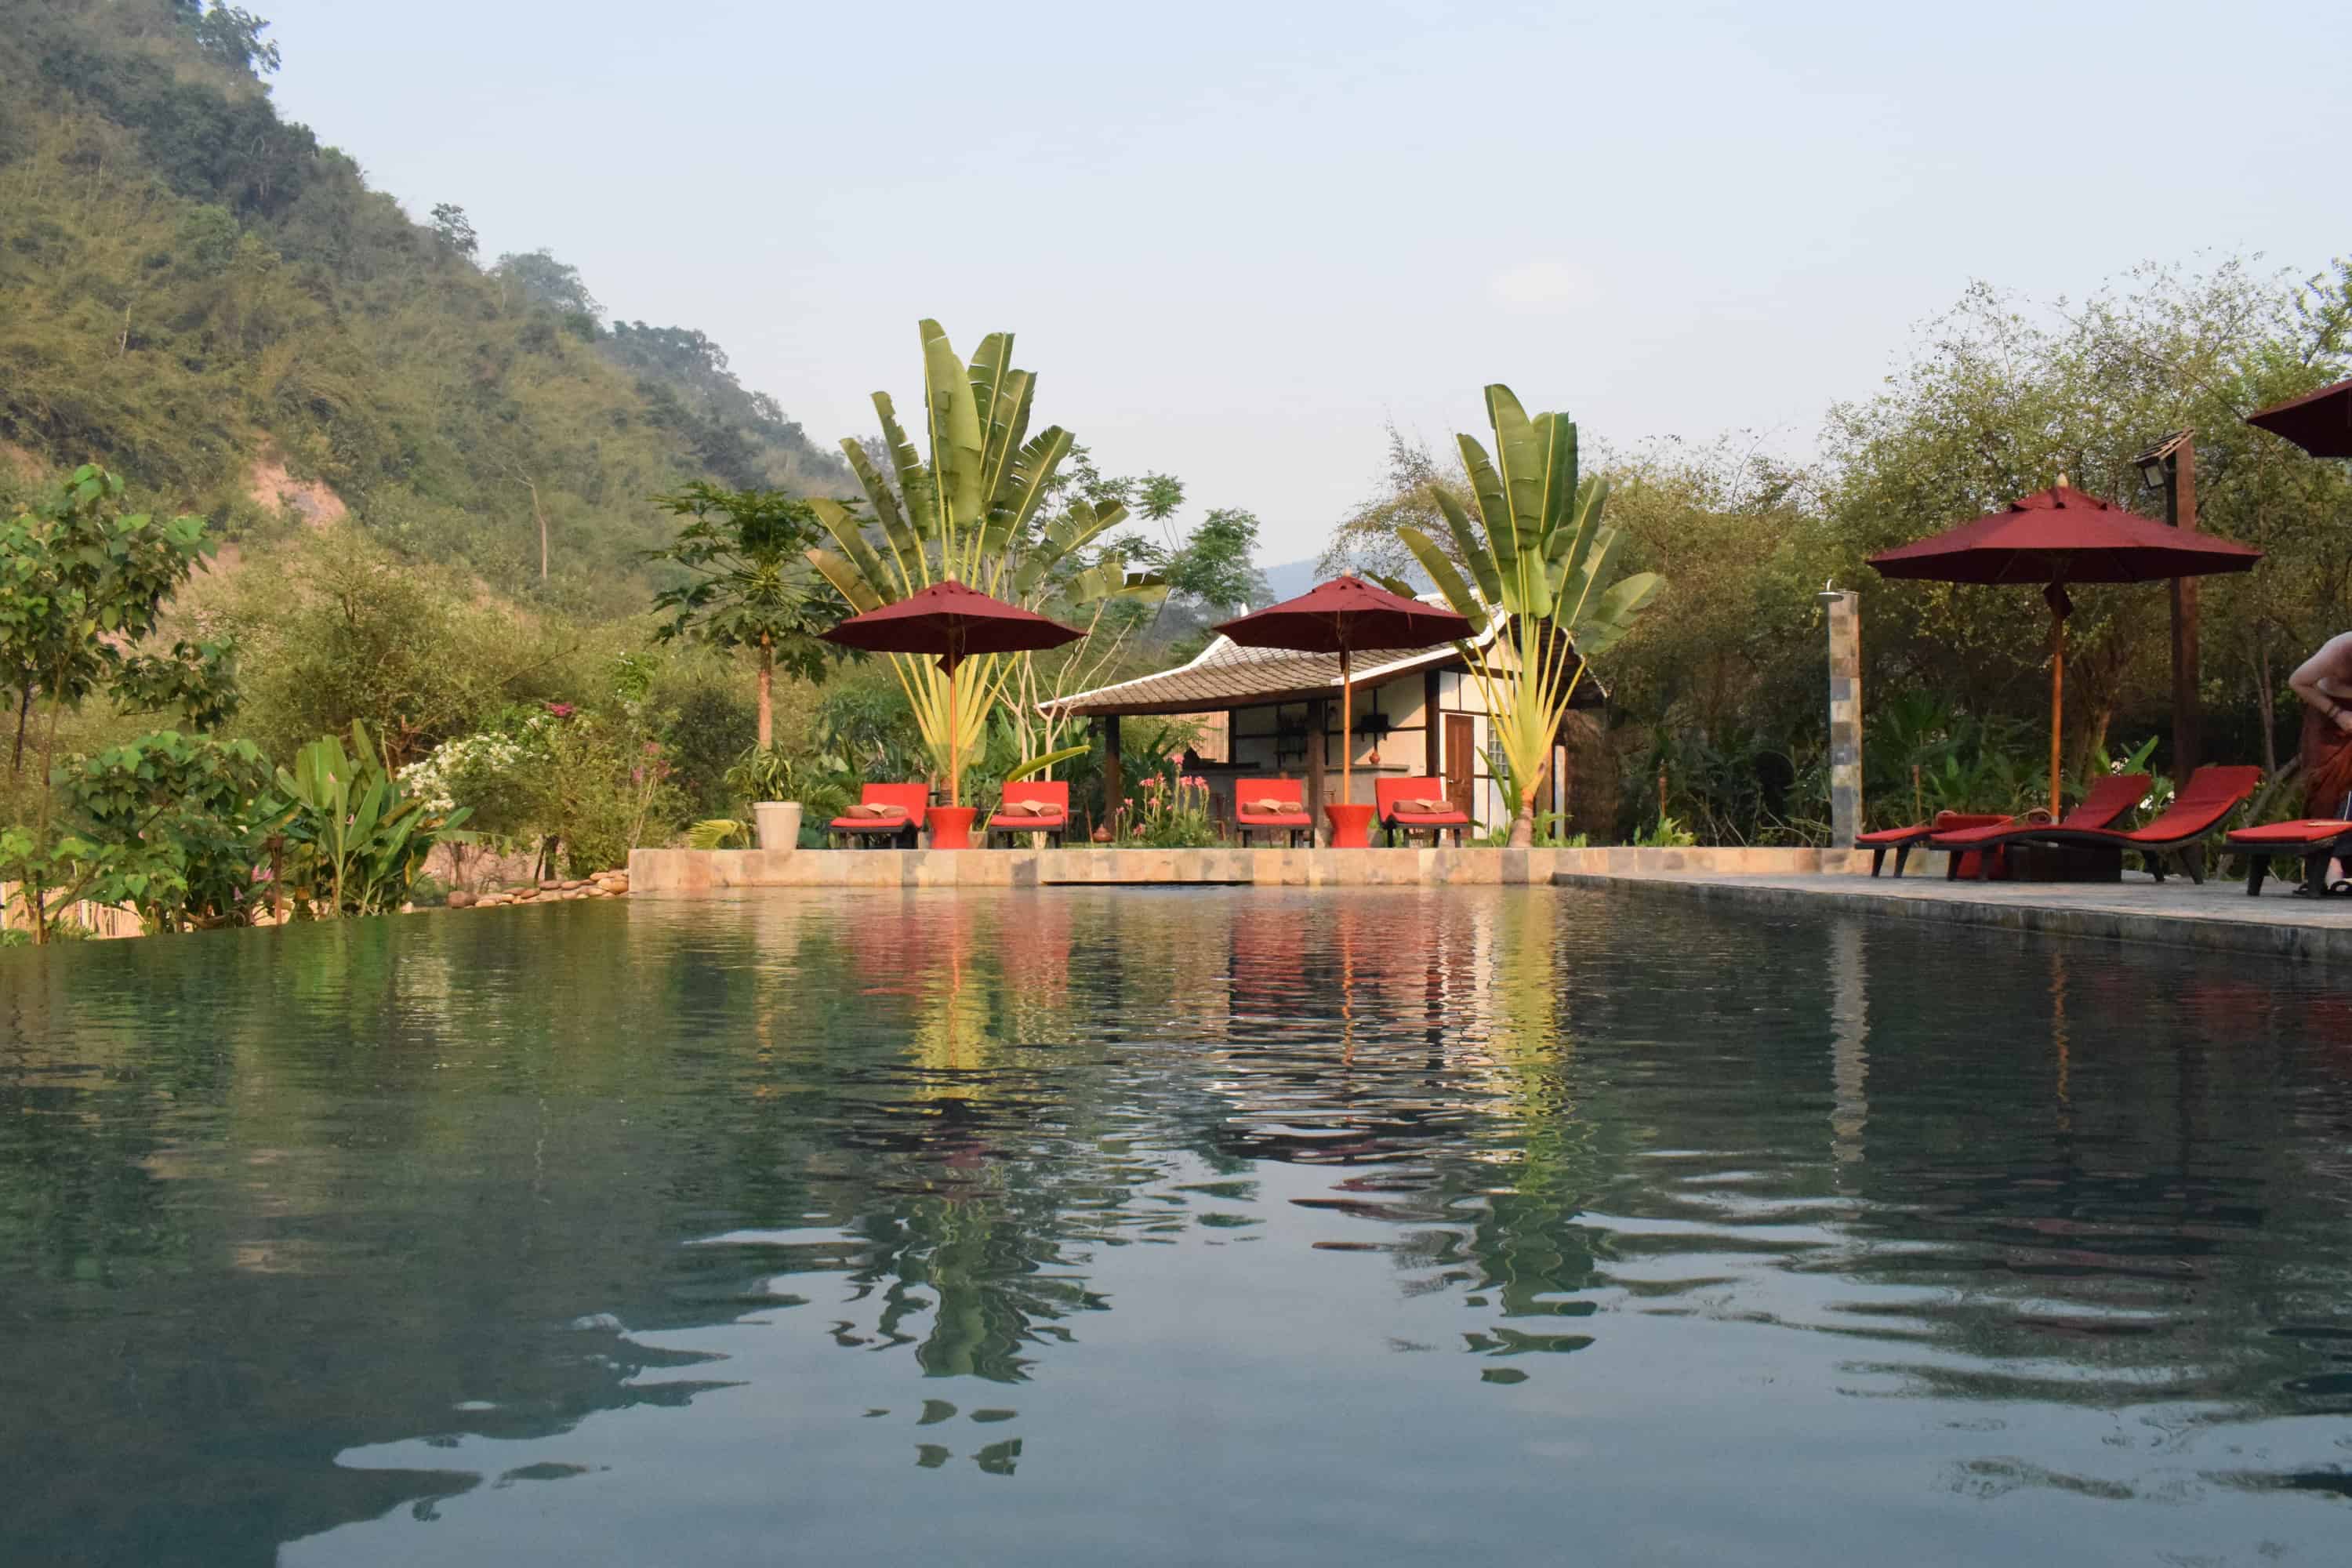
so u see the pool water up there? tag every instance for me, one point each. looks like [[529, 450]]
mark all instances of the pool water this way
[[1169, 1227]]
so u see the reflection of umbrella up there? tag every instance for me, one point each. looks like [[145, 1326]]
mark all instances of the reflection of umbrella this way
[[955, 623], [2318, 422], [2055, 537], [1340, 616]]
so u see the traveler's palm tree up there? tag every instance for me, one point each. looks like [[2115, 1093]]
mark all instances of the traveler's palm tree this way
[[976, 512], [1538, 553]]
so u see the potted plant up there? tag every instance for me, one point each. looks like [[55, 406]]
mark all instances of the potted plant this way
[[782, 791]]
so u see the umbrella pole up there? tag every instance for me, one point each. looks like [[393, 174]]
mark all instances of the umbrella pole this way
[[2057, 707], [955, 741], [1346, 730]]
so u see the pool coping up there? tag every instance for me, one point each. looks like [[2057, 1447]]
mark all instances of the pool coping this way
[[2014, 908], [659, 871]]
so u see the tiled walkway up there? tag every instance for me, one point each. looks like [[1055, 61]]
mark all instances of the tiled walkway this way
[[2218, 915]]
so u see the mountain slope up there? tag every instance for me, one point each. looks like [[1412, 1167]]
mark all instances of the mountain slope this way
[[191, 286]]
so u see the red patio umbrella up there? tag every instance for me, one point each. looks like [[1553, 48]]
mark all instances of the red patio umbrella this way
[[955, 623], [2318, 422], [2054, 537], [1342, 616]]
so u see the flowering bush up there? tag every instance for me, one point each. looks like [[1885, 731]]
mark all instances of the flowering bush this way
[[495, 773], [1173, 813], [589, 783]]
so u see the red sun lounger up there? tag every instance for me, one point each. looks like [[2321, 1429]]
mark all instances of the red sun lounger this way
[[1903, 840], [1272, 805], [2210, 795], [2107, 800], [2315, 840], [884, 811], [1033, 806], [1407, 806]]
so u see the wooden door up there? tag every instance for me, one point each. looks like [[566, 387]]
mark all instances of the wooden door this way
[[1461, 763]]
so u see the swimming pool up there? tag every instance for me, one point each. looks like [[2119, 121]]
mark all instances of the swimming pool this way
[[1169, 1226]]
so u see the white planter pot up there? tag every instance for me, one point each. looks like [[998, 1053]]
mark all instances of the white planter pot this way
[[779, 822]]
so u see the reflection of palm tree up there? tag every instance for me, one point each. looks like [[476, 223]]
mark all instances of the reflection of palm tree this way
[[986, 1264]]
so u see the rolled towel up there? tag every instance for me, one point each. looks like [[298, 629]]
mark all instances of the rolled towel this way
[[1272, 807]]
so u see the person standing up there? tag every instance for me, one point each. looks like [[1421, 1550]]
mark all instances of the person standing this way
[[2324, 682]]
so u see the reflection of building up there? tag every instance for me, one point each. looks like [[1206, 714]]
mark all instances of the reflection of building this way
[[1417, 714]]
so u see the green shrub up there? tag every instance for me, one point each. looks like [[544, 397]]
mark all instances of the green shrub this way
[[606, 788], [706, 729]]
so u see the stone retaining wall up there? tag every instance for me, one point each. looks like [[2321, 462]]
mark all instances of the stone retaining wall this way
[[709, 870]]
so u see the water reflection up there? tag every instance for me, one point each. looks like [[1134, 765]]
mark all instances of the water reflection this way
[[1107, 1196]]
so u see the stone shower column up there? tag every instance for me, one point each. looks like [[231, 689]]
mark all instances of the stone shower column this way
[[1845, 715]]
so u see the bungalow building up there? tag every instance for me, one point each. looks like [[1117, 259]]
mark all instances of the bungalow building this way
[[1417, 714]]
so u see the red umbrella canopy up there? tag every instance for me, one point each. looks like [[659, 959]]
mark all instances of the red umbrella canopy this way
[[953, 622], [2061, 535], [1345, 615], [2318, 422]]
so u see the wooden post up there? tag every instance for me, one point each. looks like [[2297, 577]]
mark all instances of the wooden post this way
[[1114, 785], [1430, 723], [1319, 719], [1347, 730], [2181, 511], [2057, 710]]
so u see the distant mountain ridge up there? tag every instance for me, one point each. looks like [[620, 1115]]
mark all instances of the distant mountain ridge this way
[[1293, 577]]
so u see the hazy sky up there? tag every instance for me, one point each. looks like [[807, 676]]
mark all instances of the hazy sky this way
[[1234, 239]]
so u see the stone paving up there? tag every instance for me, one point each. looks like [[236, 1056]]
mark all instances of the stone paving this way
[[2218, 915]]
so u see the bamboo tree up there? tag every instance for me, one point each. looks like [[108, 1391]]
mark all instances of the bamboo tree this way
[[1538, 553]]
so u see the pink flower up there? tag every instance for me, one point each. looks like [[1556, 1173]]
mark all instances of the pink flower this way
[[562, 710]]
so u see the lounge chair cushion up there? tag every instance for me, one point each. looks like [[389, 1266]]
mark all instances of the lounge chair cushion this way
[[1946, 822], [2310, 830]]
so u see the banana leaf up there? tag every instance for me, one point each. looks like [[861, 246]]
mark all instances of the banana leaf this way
[[1557, 434], [1023, 489], [844, 574], [885, 504], [1494, 510], [1448, 578], [1519, 456], [957, 443], [1465, 540]]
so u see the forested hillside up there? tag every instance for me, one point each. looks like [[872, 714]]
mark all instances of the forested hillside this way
[[200, 294]]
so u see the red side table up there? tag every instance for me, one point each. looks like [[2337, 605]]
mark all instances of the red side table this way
[[950, 826], [1351, 826]]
